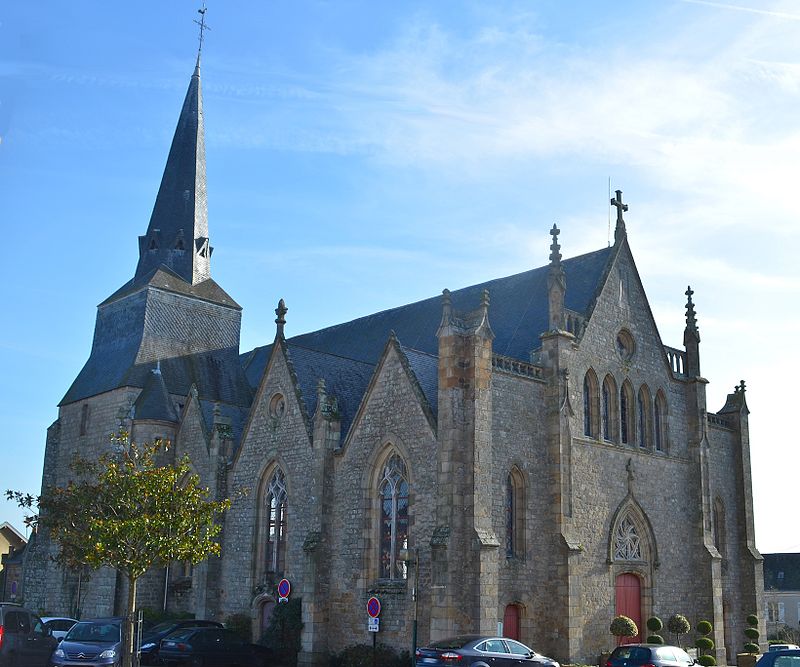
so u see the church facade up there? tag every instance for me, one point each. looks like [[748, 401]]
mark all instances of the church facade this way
[[524, 455]]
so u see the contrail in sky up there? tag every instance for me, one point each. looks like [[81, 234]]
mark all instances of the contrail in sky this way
[[751, 10]]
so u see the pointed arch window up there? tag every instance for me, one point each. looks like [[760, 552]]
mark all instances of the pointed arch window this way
[[393, 493], [660, 422], [591, 407], [276, 500], [515, 514], [643, 424], [608, 409], [627, 545], [626, 414]]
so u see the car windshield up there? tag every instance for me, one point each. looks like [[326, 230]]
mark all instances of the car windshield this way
[[93, 632], [180, 635]]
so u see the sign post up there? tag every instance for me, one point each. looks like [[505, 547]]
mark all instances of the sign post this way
[[284, 588], [373, 623]]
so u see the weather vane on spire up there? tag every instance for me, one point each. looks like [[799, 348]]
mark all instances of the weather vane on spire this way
[[203, 26]]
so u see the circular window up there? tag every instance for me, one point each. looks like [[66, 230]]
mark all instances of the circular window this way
[[277, 406], [625, 345]]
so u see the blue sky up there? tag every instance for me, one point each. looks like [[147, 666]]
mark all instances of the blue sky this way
[[362, 155]]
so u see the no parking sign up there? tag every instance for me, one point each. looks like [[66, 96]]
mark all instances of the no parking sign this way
[[284, 588], [373, 610]]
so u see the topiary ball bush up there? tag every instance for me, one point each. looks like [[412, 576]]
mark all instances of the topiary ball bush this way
[[707, 660], [704, 627], [752, 633], [678, 624], [655, 639], [752, 620], [750, 647], [654, 624], [704, 643], [623, 626]]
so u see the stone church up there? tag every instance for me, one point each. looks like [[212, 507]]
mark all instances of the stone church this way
[[523, 456]]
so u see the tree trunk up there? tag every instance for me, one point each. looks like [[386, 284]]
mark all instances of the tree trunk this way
[[128, 638]]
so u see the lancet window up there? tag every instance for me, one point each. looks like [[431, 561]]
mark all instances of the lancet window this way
[[393, 493], [275, 501], [627, 545]]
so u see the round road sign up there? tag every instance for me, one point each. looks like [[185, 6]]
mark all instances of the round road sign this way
[[374, 607], [284, 588]]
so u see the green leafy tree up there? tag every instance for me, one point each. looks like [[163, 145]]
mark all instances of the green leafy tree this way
[[129, 511], [623, 626], [678, 625]]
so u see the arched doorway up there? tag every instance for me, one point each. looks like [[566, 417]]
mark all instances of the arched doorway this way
[[629, 602], [511, 622]]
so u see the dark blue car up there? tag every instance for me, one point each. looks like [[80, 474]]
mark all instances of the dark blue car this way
[[211, 647], [784, 658], [480, 651]]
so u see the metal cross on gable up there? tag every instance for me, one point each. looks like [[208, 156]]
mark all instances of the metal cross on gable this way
[[617, 201], [202, 23]]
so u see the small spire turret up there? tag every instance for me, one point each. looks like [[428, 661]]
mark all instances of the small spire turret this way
[[556, 284], [691, 337], [281, 311]]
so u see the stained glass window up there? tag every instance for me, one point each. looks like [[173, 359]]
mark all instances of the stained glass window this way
[[276, 523], [623, 416], [393, 496]]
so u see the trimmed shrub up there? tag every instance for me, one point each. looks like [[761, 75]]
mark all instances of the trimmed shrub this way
[[752, 633], [752, 620], [707, 660], [655, 639], [678, 625], [750, 647], [704, 643], [623, 626], [654, 624], [704, 627]]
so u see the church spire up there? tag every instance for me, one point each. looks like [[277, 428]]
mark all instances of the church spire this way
[[691, 337], [177, 235]]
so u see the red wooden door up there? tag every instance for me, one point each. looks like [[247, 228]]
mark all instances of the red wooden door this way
[[511, 622], [629, 602]]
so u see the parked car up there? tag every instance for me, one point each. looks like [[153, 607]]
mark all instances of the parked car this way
[[654, 655], [784, 647], [24, 641], [58, 625], [151, 638], [95, 643], [211, 647], [784, 658], [480, 651]]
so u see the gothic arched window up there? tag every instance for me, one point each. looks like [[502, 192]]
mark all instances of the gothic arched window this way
[[660, 422], [608, 409], [626, 413], [591, 408], [275, 512], [515, 514], [627, 545], [644, 430], [393, 496]]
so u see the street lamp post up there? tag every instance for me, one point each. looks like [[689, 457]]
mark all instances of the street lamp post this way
[[411, 558]]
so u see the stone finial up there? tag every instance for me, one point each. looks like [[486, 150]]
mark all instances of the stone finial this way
[[321, 390], [485, 299], [555, 248], [691, 318], [217, 411], [157, 369], [281, 311], [447, 306], [739, 388], [619, 230]]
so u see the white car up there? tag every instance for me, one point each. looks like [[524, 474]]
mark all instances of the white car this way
[[58, 625]]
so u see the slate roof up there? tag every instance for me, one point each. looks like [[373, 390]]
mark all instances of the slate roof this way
[[426, 369], [782, 572], [518, 314], [237, 416], [217, 375], [164, 278], [154, 401]]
